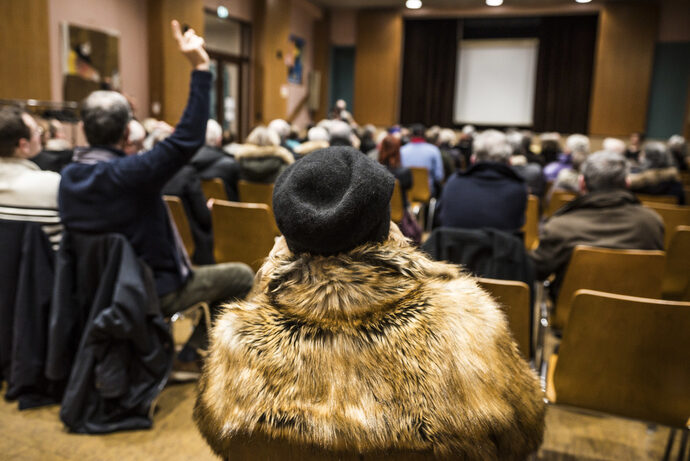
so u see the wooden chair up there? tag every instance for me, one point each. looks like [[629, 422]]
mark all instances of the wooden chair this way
[[179, 218], [558, 199], [686, 189], [673, 216], [676, 283], [255, 192], [668, 199], [513, 298], [626, 272], [397, 209], [214, 188], [626, 356], [420, 197], [531, 227], [242, 232]]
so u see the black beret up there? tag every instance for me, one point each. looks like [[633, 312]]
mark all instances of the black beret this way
[[333, 200]]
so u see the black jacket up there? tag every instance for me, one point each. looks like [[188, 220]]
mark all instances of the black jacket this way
[[211, 162], [187, 186], [106, 336], [490, 195], [26, 285]]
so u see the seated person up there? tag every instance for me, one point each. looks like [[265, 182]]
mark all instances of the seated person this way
[[421, 154], [317, 138], [262, 158], [528, 170], [489, 194], [658, 175], [605, 215], [26, 192], [106, 191], [57, 151], [679, 150], [577, 148], [634, 149], [353, 341], [212, 162]]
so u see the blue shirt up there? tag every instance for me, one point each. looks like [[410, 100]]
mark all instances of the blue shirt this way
[[424, 155]]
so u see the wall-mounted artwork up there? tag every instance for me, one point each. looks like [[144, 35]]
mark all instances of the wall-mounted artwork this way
[[296, 65], [90, 61]]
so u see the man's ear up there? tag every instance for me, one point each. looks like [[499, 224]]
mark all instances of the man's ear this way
[[581, 184], [627, 182], [23, 148]]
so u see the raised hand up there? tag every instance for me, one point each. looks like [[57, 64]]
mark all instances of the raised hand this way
[[191, 45]]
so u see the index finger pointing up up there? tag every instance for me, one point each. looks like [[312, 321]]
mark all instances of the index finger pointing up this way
[[177, 33]]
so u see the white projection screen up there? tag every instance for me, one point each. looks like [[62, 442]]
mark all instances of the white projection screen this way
[[495, 82]]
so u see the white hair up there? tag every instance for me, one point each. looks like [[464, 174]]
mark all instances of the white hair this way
[[491, 146], [577, 143], [214, 133], [262, 136], [318, 133], [676, 142], [137, 133], [614, 145], [339, 129], [469, 130], [447, 136], [281, 127]]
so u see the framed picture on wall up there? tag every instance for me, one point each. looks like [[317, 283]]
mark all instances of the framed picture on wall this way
[[90, 61], [295, 67]]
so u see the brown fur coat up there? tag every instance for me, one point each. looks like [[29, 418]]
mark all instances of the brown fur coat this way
[[376, 350]]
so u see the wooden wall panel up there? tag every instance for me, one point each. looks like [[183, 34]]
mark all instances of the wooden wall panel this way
[[24, 50], [378, 56], [271, 32], [169, 70], [322, 55], [623, 69]]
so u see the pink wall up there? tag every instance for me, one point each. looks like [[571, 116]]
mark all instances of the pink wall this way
[[343, 27], [125, 17], [237, 9]]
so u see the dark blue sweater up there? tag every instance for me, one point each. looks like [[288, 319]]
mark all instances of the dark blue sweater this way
[[123, 195]]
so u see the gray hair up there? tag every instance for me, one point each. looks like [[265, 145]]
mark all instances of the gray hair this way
[[656, 155], [515, 140], [491, 146], [318, 133], [105, 115], [281, 127], [447, 136], [137, 133], [577, 143], [262, 136], [605, 170], [614, 145], [214, 133]]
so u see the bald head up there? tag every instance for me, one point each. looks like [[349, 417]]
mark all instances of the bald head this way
[[105, 115]]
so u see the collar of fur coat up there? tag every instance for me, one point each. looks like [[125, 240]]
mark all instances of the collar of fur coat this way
[[376, 349], [252, 151], [310, 146], [653, 176]]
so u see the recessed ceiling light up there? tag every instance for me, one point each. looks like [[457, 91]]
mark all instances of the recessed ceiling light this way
[[222, 12], [413, 4], [583, 1], [494, 2]]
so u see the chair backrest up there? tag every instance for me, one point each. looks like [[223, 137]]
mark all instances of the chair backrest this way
[[626, 356], [242, 232], [179, 217], [668, 199], [625, 272], [531, 227], [420, 192], [513, 298], [214, 188], [255, 192], [676, 284], [673, 216], [558, 199], [397, 208], [686, 189]]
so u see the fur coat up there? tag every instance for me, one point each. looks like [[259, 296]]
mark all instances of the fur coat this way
[[262, 163], [378, 350]]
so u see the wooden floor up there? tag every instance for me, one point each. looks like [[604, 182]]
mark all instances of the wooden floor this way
[[39, 435]]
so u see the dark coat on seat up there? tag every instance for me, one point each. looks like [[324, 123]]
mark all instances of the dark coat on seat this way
[[211, 162], [107, 336], [490, 195]]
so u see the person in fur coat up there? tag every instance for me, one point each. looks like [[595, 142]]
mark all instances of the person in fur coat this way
[[353, 344]]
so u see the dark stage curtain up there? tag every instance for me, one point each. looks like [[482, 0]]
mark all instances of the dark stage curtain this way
[[564, 73], [428, 83]]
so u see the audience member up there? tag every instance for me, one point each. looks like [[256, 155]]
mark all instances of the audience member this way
[[317, 138], [527, 137], [679, 150], [26, 193], [550, 147], [389, 156], [614, 145], [465, 144], [450, 155], [212, 162], [262, 158], [355, 342], [107, 191], [632, 152], [605, 215], [531, 172], [421, 154], [574, 143], [57, 151], [577, 148], [282, 129], [367, 142], [658, 176], [489, 194], [135, 139]]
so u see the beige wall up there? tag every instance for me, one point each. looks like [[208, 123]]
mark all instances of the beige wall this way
[[237, 9], [343, 27], [127, 18]]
